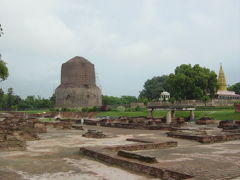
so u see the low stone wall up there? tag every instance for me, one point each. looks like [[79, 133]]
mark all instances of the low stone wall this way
[[146, 158], [229, 124], [206, 138], [205, 121], [65, 124], [199, 103], [137, 123], [139, 140], [147, 146], [134, 165]]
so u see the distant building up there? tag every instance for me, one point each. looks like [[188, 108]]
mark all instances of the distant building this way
[[222, 92], [78, 85], [164, 96]]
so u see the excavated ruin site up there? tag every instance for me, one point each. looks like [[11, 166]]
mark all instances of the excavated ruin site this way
[[73, 147]]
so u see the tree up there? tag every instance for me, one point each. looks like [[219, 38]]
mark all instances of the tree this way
[[153, 87], [128, 99], [192, 82], [53, 100], [205, 99], [1, 98], [3, 67], [3, 70], [235, 87], [1, 30], [110, 100], [172, 100], [123, 100]]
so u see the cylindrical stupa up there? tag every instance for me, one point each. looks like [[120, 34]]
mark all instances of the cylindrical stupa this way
[[78, 85]]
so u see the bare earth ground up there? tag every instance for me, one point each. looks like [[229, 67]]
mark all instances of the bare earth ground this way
[[56, 156]]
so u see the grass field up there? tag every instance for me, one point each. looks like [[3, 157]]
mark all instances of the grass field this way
[[33, 111], [224, 114], [218, 115]]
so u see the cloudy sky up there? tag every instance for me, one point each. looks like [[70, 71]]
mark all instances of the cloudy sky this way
[[129, 41]]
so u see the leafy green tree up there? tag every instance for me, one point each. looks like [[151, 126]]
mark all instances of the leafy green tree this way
[[111, 100], [153, 87], [53, 100], [128, 99], [1, 98], [3, 67], [192, 82], [10, 98], [3, 70], [143, 100], [205, 99], [235, 87], [10, 101], [172, 100]]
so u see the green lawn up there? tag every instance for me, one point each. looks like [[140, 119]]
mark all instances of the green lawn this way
[[218, 115], [47, 119], [35, 111], [225, 114]]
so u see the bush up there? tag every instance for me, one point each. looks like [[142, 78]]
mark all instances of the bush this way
[[53, 109], [140, 108], [65, 109], [120, 108]]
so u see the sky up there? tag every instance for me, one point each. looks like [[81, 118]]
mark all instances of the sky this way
[[129, 41]]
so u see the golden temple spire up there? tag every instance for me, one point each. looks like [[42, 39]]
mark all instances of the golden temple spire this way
[[222, 84]]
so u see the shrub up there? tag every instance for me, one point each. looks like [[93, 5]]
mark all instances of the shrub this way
[[120, 108]]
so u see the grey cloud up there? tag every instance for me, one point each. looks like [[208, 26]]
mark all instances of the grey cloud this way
[[128, 41]]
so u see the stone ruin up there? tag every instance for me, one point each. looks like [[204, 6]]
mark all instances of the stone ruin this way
[[137, 123], [92, 133], [15, 130], [64, 124], [205, 121], [178, 127], [227, 130], [127, 156], [230, 125]]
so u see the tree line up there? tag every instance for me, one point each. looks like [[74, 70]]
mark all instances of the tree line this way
[[123, 100], [10, 101]]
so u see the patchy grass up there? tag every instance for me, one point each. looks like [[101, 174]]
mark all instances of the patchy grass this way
[[35, 111], [118, 114], [224, 114], [218, 115], [47, 119]]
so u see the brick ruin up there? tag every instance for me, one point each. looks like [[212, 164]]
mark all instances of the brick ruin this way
[[126, 157], [16, 129], [92, 133], [137, 123], [227, 130], [78, 85], [205, 121]]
